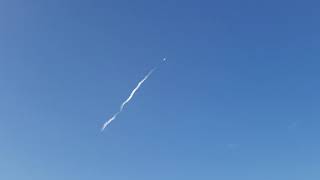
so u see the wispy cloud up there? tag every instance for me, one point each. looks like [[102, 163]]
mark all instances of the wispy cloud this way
[[130, 96]]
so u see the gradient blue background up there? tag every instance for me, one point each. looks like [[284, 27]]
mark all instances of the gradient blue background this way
[[237, 99]]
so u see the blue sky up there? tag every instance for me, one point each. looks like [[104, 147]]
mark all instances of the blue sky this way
[[237, 99]]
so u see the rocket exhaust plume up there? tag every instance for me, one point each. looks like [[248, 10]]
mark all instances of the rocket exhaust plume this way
[[130, 96]]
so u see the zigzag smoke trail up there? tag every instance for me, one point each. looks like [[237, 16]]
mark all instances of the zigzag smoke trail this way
[[130, 96]]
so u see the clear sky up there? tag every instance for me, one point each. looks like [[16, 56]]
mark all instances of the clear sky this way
[[237, 99]]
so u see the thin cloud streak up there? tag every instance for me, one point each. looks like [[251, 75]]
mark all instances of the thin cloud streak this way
[[130, 97]]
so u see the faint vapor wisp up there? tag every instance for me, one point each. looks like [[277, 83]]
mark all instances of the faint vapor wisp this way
[[130, 96]]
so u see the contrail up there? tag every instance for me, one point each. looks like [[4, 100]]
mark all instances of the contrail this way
[[130, 96]]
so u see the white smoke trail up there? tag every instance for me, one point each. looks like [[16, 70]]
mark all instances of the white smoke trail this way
[[130, 97]]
